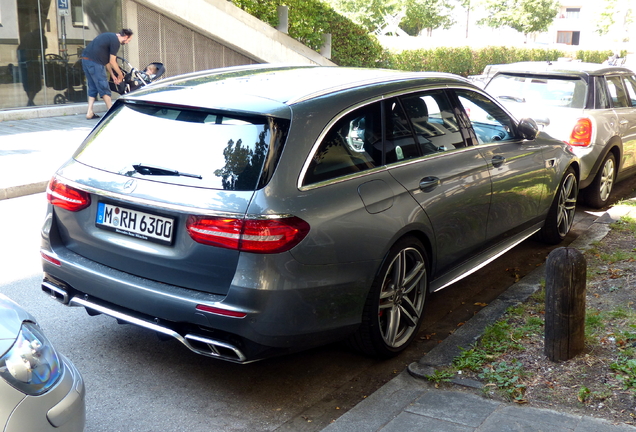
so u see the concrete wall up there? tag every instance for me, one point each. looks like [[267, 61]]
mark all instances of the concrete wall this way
[[222, 21]]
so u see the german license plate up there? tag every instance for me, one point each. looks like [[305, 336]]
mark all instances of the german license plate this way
[[134, 223]]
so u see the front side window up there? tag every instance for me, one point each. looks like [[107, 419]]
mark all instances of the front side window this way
[[217, 150], [353, 144], [630, 84], [617, 92], [434, 121], [489, 122]]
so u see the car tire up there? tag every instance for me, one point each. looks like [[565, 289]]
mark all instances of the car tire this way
[[393, 311], [561, 214], [597, 194]]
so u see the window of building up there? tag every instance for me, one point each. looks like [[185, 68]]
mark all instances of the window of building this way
[[568, 37], [572, 13], [77, 14]]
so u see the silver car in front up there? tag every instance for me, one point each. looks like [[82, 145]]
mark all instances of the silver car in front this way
[[591, 107], [40, 390]]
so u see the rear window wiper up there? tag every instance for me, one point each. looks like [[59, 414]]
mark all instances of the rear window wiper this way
[[158, 171]]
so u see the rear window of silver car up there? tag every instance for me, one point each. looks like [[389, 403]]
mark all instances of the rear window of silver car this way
[[216, 150], [567, 92]]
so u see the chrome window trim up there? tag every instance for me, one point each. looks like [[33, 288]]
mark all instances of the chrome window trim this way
[[196, 211], [397, 93], [342, 179]]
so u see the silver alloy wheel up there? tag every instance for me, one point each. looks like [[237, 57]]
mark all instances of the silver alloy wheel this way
[[607, 179], [402, 297], [567, 204]]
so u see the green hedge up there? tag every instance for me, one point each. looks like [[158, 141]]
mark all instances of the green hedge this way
[[466, 61]]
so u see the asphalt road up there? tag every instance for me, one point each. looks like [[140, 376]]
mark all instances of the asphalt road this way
[[137, 383]]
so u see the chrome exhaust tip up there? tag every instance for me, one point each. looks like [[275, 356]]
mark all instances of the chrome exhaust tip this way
[[198, 344], [55, 292]]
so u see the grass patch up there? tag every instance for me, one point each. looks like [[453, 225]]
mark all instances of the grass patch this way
[[625, 224], [628, 202], [617, 256]]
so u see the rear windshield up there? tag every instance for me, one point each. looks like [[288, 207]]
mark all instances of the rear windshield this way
[[216, 150], [569, 92]]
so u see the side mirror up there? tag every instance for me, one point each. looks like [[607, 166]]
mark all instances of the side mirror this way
[[528, 129]]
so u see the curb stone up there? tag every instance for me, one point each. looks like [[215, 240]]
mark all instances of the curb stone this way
[[18, 191]]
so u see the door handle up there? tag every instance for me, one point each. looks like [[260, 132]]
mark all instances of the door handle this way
[[427, 184], [623, 122], [498, 161]]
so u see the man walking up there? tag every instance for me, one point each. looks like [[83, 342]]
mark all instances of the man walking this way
[[102, 51]]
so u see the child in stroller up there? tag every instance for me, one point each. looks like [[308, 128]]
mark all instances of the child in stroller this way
[[134, 79]]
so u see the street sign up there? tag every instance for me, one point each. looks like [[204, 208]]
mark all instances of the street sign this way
[[62, 7]]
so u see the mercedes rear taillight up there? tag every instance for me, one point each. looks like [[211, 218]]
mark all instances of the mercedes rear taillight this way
[[581, 133], [248, 235], [67, 197]]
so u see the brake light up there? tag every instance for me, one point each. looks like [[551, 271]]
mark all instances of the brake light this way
[[67, 197], [248, 235], [581, 133], [50, 258], [219, 311]]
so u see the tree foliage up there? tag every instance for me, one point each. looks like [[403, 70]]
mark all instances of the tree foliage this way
[[525, 16], [351, 44], [370, 14], [427, 14], [614, 17]]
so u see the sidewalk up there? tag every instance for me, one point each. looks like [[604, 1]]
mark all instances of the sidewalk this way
[[32, 149]]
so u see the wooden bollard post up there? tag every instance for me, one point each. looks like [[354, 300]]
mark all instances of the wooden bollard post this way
[[565, 278]]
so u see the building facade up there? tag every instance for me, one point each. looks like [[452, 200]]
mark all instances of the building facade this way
[[41, 42]]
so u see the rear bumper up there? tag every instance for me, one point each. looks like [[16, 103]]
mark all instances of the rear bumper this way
[[290, 317]]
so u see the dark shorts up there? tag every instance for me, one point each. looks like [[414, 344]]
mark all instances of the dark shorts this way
[[95, 79]]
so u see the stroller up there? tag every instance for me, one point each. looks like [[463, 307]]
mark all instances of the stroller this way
[[65, 76], [133, 78]]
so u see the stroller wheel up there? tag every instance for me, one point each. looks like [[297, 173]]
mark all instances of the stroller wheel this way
[[59, 99]]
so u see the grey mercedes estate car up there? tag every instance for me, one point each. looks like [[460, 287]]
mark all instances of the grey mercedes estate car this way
[[590, 106], [258, 210]]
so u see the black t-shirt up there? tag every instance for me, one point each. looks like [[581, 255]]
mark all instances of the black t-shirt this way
[[101, 48]]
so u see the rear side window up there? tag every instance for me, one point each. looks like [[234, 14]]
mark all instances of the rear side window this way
[[602, 98], [216, 150], [353, 144], [568, 92]]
